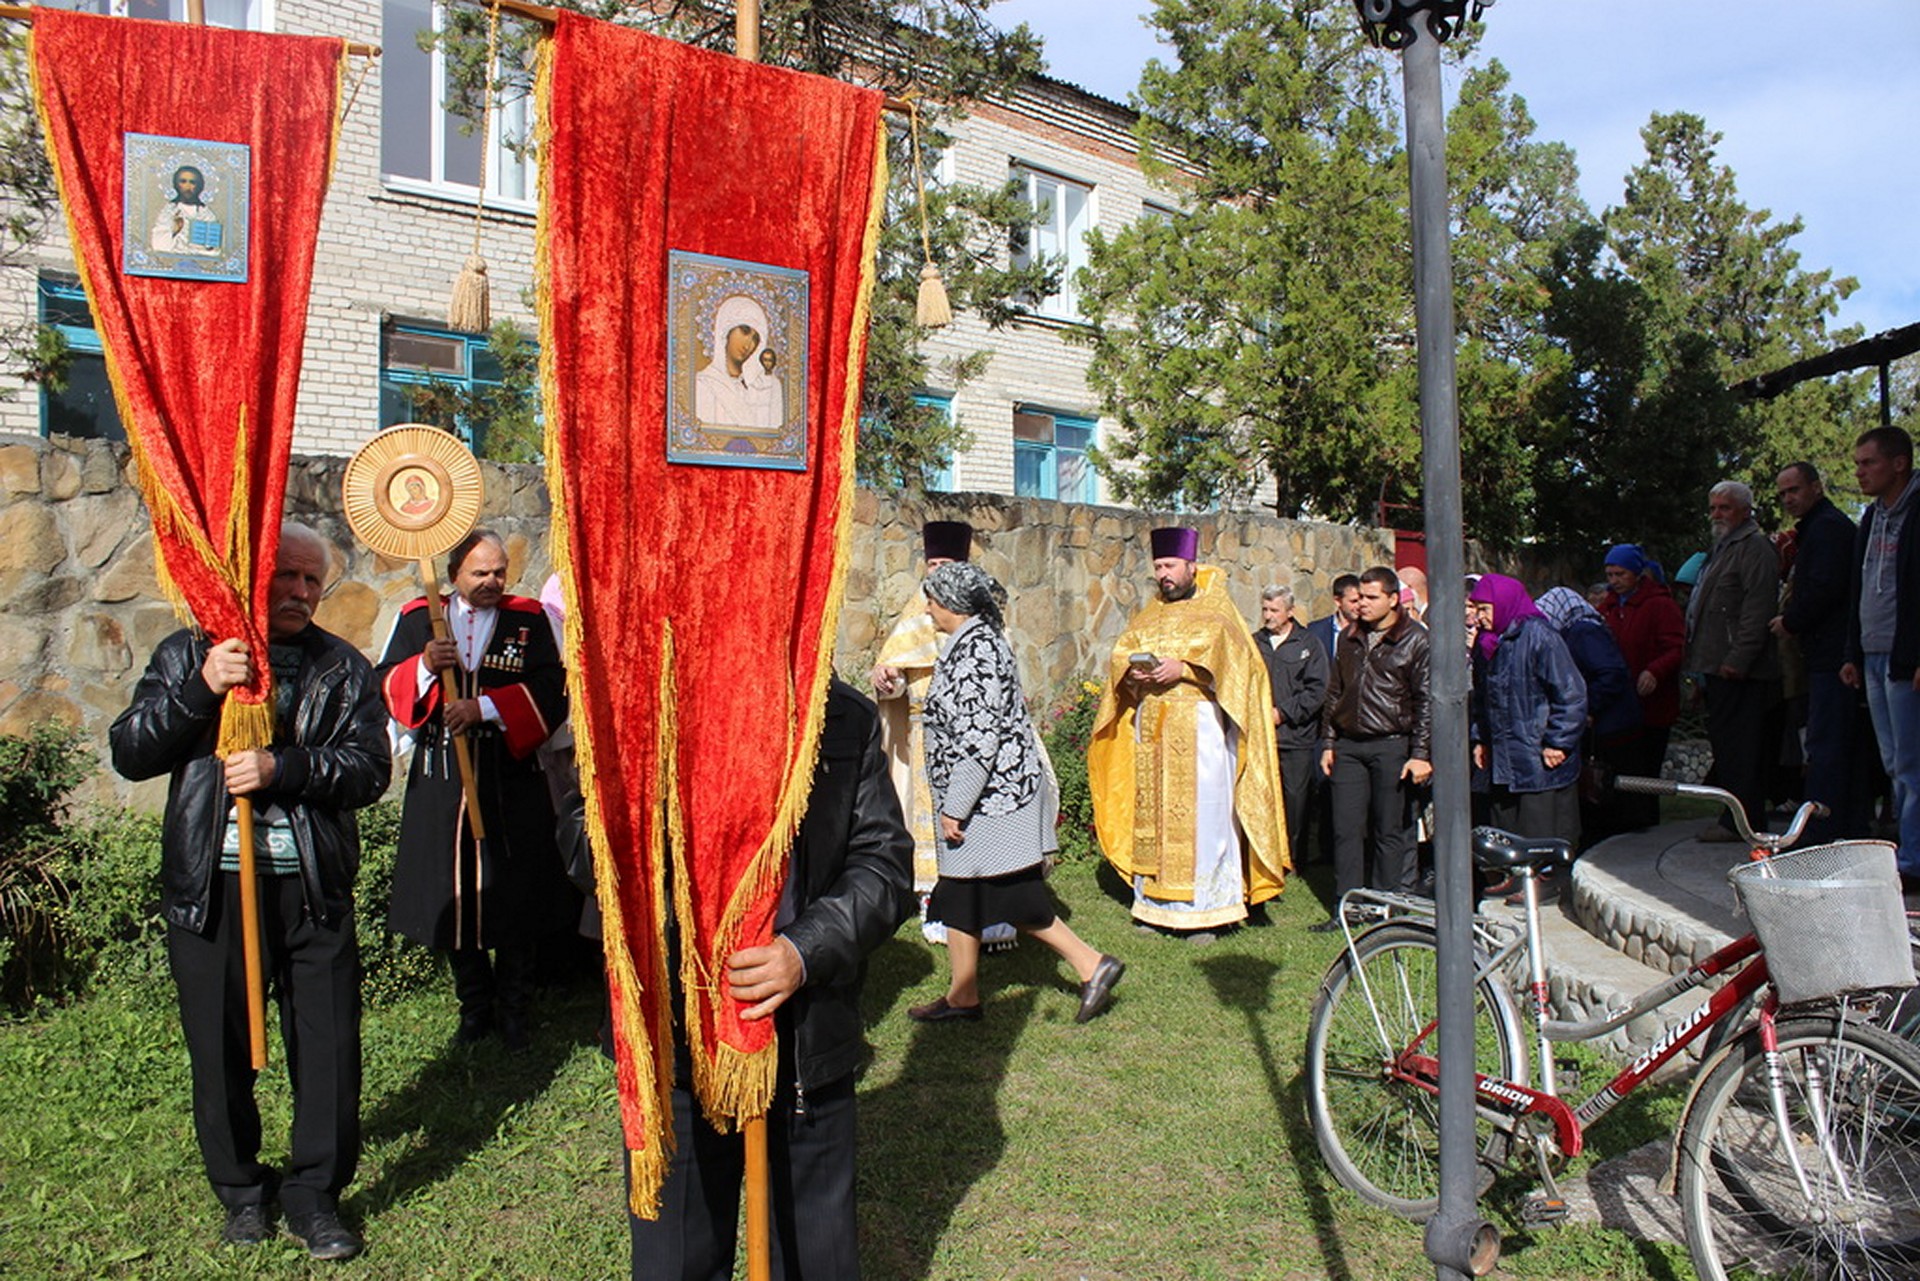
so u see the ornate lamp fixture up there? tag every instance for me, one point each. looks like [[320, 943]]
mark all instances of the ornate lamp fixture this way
[[1389, 23]]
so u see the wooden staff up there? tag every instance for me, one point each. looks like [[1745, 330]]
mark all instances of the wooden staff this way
[[462, 751], [746, 43], [250, 934]]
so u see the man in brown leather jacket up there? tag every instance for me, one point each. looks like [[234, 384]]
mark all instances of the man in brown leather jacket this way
[[1376, 741]]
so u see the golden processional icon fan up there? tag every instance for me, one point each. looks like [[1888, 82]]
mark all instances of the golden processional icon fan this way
[[411, 493]]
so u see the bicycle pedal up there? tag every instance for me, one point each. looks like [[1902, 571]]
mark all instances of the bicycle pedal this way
[[1539, 1209]]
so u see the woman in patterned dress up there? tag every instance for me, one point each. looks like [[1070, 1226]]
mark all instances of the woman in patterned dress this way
[[992, 811]]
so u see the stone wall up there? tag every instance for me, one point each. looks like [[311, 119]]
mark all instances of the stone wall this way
[[80, 608]]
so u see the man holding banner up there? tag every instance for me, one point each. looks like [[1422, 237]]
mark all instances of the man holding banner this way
[[328, 757], [849, 887]]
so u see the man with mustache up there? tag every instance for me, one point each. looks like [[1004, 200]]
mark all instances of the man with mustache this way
[[1728, 639], [450, 892], [328, 757]]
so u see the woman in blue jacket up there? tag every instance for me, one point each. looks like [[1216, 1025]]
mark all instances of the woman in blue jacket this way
[[1529, 712]]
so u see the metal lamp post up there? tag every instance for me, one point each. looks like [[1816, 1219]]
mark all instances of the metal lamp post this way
[[1458, 1241]]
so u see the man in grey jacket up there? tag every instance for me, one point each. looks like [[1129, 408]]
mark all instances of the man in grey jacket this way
[[1883, 622], [1728, 639]]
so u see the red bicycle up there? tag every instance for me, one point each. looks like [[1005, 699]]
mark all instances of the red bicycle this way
[[1798, 1153]]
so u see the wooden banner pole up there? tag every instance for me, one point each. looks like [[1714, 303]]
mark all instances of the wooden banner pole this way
[[746, 43], [462, 750]]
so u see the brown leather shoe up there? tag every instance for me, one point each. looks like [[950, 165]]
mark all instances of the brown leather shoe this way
[[1097, 992], [941, 1012]]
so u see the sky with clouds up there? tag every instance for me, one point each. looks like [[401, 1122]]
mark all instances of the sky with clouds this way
[[1815, 99]]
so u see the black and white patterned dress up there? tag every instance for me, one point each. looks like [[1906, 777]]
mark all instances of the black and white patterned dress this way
[[983, 760]]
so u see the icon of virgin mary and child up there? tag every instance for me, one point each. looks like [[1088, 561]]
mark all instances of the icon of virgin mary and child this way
[[739, 386]]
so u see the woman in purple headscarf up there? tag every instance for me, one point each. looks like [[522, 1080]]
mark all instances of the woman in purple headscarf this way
[[1529, 712]]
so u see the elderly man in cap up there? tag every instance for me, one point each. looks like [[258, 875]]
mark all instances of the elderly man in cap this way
[[1727, 638], [1182, 763], [900, 678]]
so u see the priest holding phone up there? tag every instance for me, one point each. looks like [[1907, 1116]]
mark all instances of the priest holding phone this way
[[1185, 780]]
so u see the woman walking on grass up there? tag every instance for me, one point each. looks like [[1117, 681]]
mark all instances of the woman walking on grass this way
[[992, 811]]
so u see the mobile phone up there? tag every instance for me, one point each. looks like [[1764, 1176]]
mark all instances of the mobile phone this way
[[1142, 662]]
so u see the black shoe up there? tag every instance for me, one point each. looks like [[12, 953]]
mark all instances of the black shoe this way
[[1097, 992], [474, 1026], [514, 1034], [941, 1012], [325, 1236], [247, 1225], [1329, 926]]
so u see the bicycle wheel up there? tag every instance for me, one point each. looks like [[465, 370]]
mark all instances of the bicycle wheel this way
[[1852, 1110], [1381, 1138]]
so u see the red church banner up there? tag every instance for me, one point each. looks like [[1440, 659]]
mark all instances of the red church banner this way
[[192, 163], [707, 238]]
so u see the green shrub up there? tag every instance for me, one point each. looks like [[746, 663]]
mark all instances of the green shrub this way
[[37, 774], [394, 967], [112, 868], [1066, 727]]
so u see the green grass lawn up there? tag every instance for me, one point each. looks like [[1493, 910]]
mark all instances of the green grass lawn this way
[[1167, 1139]]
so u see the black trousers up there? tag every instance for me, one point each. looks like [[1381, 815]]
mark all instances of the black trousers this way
[[1368, 793], [313, 975], [1299, 767], [1736, 728], [810, 1158]]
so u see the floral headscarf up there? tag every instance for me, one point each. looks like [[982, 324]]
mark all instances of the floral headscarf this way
[[967, 589]]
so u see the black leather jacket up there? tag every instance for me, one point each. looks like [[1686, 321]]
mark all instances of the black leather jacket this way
[[338, 762], [852, 885], [1383, 690]]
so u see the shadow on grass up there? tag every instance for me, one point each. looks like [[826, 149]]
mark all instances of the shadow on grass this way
[[455, 1103], [1245, 983], [934, 1131]]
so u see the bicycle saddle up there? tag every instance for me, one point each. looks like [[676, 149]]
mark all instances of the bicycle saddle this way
[[1494, 849]]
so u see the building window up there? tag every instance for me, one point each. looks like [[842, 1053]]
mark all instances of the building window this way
[[447, 379], [939, 480], [421, 143], [1050, 455], [1058, 235], [242, 15], [84, 407]]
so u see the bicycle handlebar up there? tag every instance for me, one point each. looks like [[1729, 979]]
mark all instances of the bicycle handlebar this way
[[1770, 842]]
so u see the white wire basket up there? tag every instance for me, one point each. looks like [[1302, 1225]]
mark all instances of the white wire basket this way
[[1831, 919]]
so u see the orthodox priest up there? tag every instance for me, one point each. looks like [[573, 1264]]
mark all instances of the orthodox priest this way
[[507, 892], [900, 679], [1185, 779]]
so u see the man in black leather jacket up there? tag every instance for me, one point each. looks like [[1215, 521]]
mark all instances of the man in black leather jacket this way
[[329, 757], [849, 887], [1376, 741]]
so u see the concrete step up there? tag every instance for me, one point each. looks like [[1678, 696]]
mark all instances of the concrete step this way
[[1586, 980]]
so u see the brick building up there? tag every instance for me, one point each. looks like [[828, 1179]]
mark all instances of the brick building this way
[[399, 218]]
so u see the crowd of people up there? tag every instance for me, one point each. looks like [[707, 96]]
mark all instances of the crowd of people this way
[[1220, 753]]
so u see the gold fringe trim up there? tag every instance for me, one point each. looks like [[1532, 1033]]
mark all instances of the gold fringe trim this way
[[736, 1085], [245, 726], [647, 1164]]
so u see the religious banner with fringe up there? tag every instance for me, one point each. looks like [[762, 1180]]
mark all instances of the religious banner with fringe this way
[[707, 244], [192, 163]]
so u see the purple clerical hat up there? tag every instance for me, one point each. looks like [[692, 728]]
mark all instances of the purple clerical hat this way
[[1176, 541], [947, 539]]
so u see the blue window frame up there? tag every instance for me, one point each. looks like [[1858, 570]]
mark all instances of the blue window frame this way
[[415, 355], [940, 480], [84, 407], [1050, 455]]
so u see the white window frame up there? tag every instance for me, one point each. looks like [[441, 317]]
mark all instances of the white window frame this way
[[1040, 188], [499, 159], [260, 13]]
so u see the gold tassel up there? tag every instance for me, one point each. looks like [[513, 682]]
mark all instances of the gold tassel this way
[[931, 310], [470, 310]]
